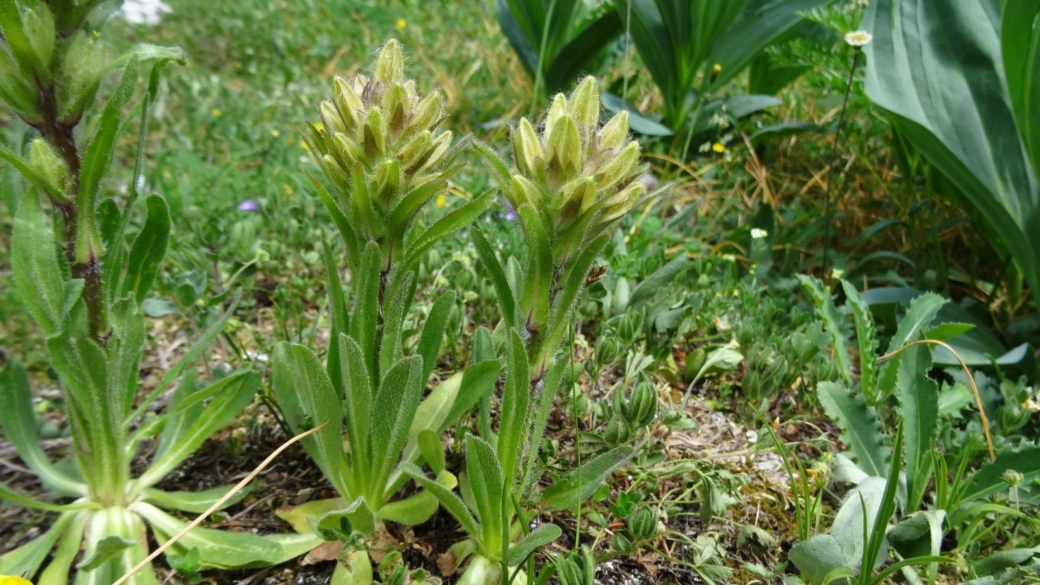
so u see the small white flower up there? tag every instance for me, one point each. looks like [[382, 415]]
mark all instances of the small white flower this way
[[1031, 405], [858, 38], [837, 273], [758, 234]]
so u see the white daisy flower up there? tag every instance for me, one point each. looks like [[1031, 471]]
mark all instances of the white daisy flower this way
[[858, 38], [758, 234]]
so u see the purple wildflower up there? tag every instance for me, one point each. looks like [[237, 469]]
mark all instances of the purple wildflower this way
[[510, 213], [248, 205]]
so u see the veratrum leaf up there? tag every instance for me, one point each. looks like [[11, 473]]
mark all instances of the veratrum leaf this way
[[859, 426], [35, 266], [866, 338], [936, 67]]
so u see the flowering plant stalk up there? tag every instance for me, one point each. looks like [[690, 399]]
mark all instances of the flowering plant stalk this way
[[83, 288], [572, 183], [379, 148]]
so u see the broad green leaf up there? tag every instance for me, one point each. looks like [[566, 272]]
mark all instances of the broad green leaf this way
[[222, 408], [124, 347], [477, 381], [831, 322], [26, 559], [866, 339], [1020, 48], [394, 311], [579, 484], [10, 495], [817, 557], [194, 502], [919, 404], [936, 67], [512, 429], [392, 413], [537, 538], [859, 426], [19, 427], [308, 400], [486, 480], [300, 517], [34, 264], [918, 318], [106, 549], [578, 56], [447, 498], [358, 515], [148, 249], [433, 332], [947, 331], [506, 299], [432, 450], [357, 394], [217, 548], [180, 415]]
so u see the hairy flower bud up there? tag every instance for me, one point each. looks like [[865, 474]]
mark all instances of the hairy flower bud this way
[[15, 91], [584, 105], [390, 64], [38, 24], [375, 130], [83, 66], [331, 119], [564, 148], [428, 112], [556, 111], [615, 132], [51, 167], [642, 406], [347, 101], [527, 149], [643, 524], [619, 168]]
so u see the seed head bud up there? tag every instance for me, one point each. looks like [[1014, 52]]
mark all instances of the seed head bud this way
[[527, 149], [619, 168], [556, 110], [331, 119], [428, 112], [584, 105], [347, 101], [524, 191], [615, 131], [564, 148], [390, 65], [50, 167], [375, 131]]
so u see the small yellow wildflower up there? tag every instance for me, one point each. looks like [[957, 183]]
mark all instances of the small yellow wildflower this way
[[442, 201], [215, 112], [719, 147], [13, 580], [400, 24], [776, 423], [275, 134]]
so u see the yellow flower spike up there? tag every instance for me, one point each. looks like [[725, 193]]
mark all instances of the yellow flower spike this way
[[331, 118], [13, 580], [556, 110], [620, 168], [390, 65], [615, 132], [428, 112], [565, 146], [347, 101], [527, 149], [524, 191], [584, 105]]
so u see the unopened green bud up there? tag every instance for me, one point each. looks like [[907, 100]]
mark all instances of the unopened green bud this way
[[84, 63], [621, 203], [584, 105], [348, 151], [347, 101], [331, 119], [694, 362], [417, 151], [578, 195], [620, 168], [411, 91], [629, 326], [1013, 478], [564, 148], [390, 65], [428, 112], [527, 149], [395, 104], [524, 191], [441, 145], [617, 431], [51, 167], [615, 132], [375, 131], [556, 111], [606, 351], [20, 95], [339, 177]]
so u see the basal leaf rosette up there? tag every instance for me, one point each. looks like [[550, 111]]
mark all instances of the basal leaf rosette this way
[[379, 146], [578, 177]]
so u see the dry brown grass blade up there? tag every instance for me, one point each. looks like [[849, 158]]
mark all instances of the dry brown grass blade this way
[[971, 382], [216, 506]]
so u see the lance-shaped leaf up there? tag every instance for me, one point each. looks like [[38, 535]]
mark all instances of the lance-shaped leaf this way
[[149, 249], [860, 428], [392, 413], [513, 427], [34, 263], [579, 484], [919, 404]]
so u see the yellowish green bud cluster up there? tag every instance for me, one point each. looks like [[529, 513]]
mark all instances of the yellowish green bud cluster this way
[[581, 177], [378, 144]]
